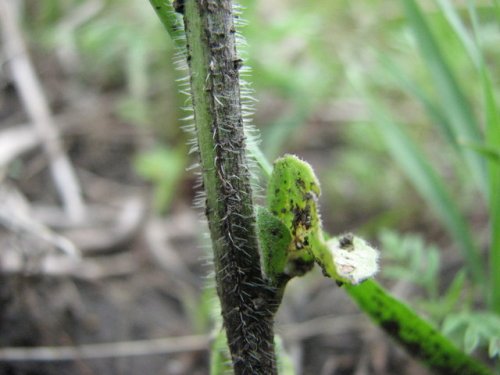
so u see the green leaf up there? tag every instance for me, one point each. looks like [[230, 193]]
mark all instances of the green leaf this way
[[274, 240], [452, 323], [494, 348], [292, 196], [474, 329], [471, 339]]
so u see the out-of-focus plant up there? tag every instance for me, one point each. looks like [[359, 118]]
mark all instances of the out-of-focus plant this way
[[102, 44], [411, 260], [408, 258], [455, 87], [164, 168]]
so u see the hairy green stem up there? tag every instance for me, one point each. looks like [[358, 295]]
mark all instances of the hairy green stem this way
[[247, 302], [417, 336]]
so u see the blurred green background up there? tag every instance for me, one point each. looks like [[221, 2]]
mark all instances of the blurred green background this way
[[393, 103]]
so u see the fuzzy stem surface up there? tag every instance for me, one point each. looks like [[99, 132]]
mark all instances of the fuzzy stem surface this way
[[416, 335], [247, 301]]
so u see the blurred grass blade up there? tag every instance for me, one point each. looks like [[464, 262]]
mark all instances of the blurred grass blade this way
[[457, 25], [413, 162], [434, 112], [281, 131], [496, 6], [453, 293], [454, 102], [493, 138], [491, 150], [257, 154]]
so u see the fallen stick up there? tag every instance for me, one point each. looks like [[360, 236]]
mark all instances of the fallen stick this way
[[168, 345], [35, 103]]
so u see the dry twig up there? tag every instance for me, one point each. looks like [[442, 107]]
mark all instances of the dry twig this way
[[163, 345], [35, 103], [16, 215], [166, 345], [15, 141]]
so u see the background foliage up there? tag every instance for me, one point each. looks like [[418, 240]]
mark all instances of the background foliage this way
[[394, 103]]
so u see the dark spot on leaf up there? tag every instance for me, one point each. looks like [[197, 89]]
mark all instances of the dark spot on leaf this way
[[302, 216]]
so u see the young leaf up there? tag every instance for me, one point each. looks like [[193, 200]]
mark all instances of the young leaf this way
[[274, 240], [471, 339], [494, 348], [293, 191]]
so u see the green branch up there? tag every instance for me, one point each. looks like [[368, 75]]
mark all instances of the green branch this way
[[420, 339]]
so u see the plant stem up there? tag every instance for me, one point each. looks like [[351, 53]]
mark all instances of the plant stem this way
[[247, 302], [418, 337]]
